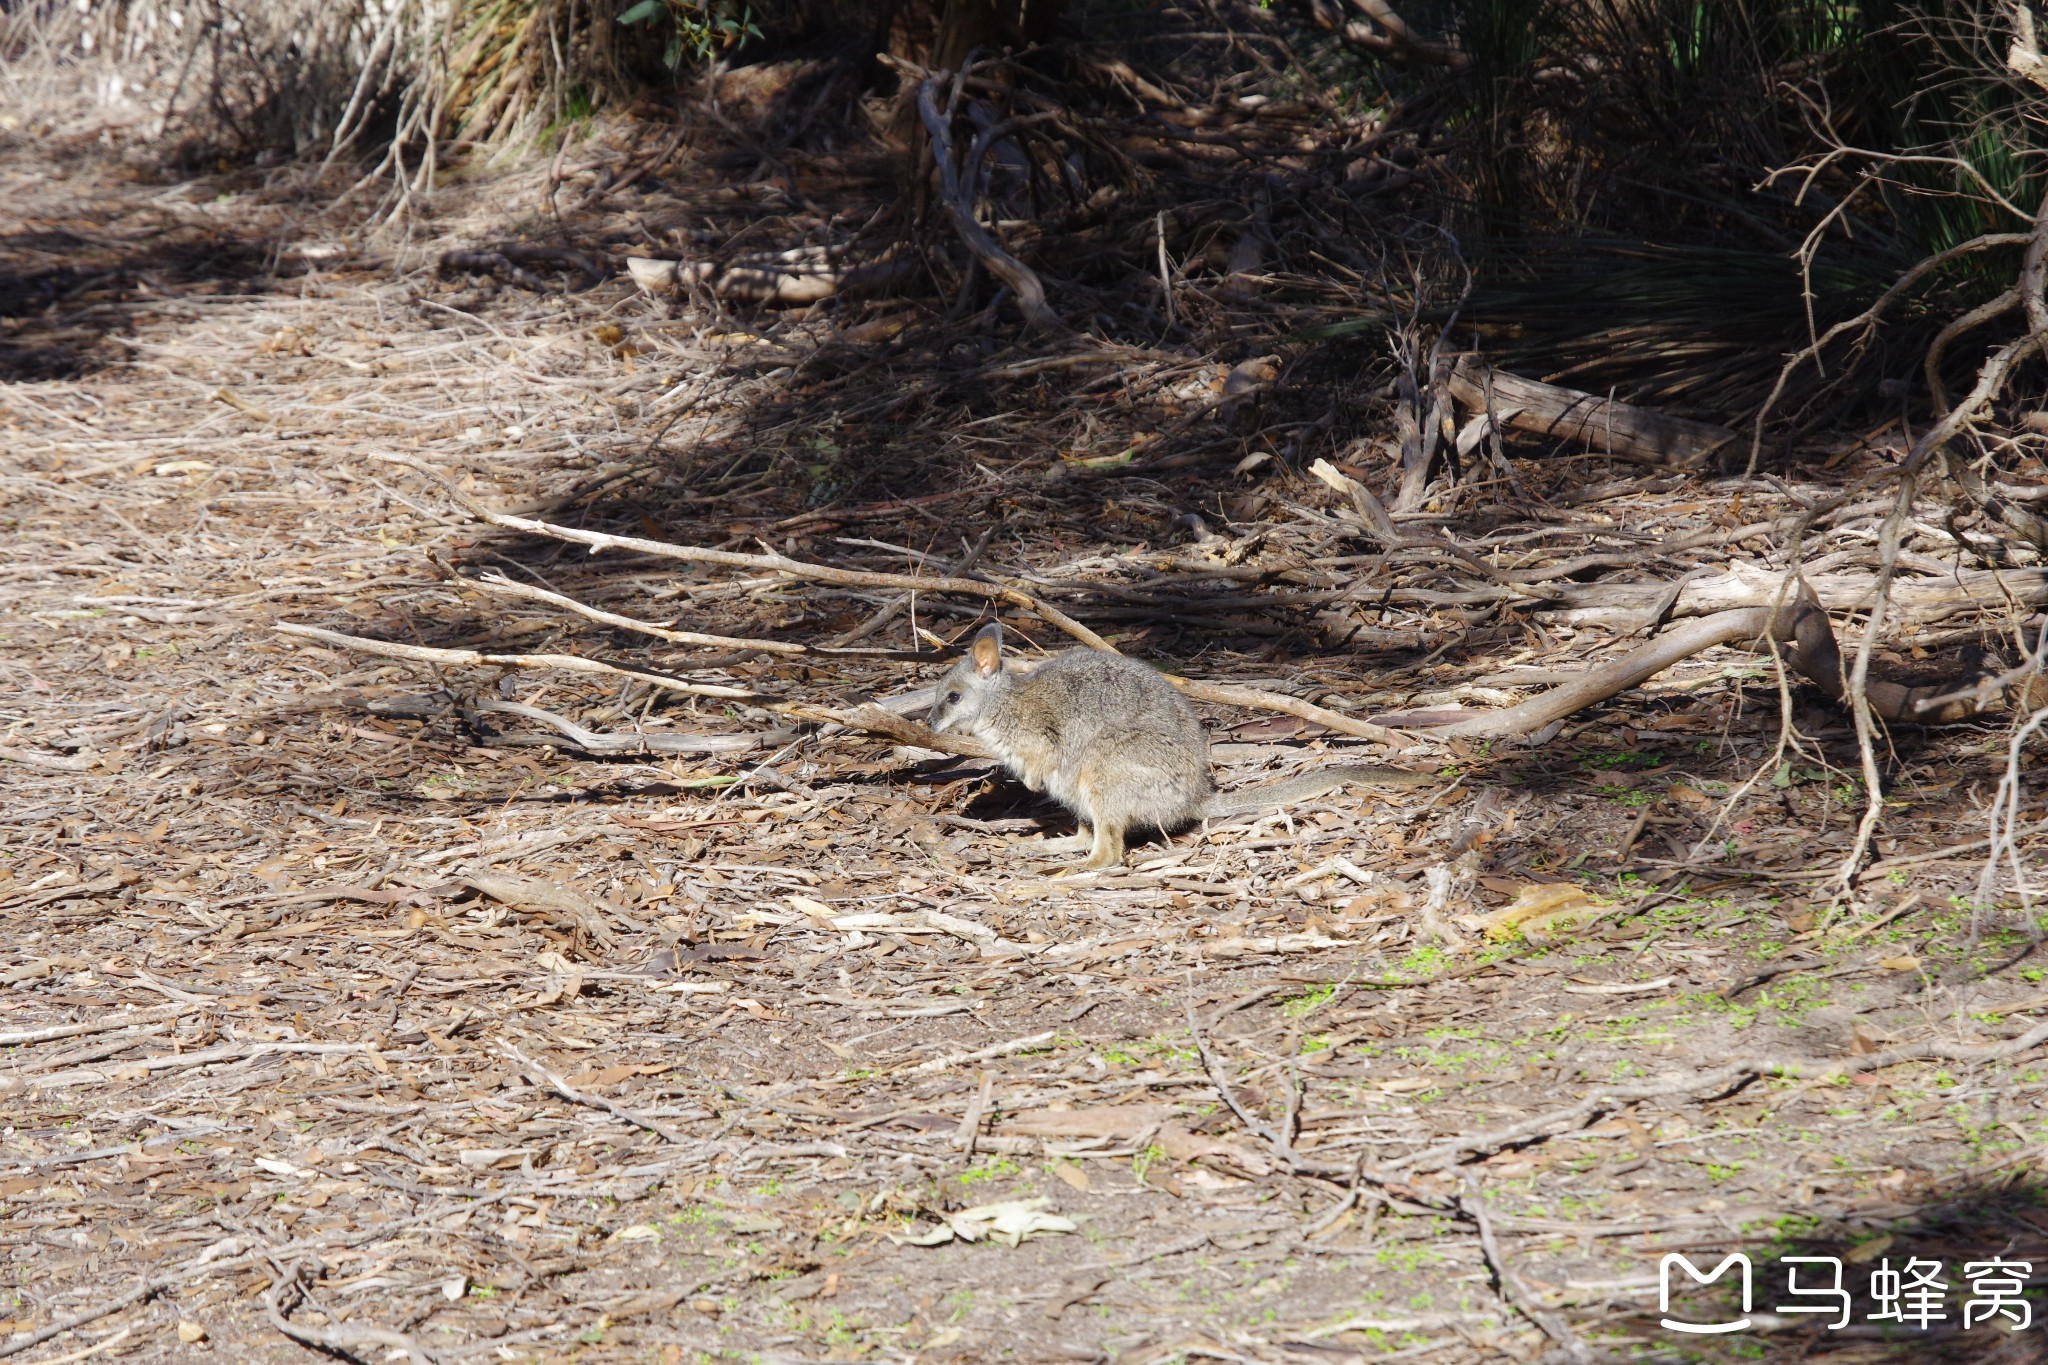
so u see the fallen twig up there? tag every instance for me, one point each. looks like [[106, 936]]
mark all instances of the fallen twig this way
[[232, 1052], [1251, 698], [1259, 1128], [106, 1025], [499, 584], [1608, 680], [1801, 625], [601, 742], [1518, 1295], [344, 1338], [547, 1079]]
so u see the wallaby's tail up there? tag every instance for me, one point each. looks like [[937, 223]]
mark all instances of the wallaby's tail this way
[[1313, 783]]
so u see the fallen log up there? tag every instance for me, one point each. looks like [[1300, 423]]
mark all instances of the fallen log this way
[[1622, 430]]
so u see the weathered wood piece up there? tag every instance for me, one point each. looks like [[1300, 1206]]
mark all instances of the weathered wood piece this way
[[1620, 429]]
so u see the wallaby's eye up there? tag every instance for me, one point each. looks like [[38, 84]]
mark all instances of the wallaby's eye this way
[[952, 697]]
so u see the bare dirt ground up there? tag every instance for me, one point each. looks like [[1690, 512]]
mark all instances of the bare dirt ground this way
[[328, 1014]]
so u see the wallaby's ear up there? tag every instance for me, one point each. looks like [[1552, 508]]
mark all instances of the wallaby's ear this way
[[988, 650]]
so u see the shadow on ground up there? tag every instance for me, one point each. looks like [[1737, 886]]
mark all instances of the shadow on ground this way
[[1962, 1278]]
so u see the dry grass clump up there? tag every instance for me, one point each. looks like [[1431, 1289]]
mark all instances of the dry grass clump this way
[[399, 84]]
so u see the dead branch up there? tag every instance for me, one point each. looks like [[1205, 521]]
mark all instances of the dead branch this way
[[2003, 842], [603, 742], [870, 718], [1863, 703], [569, 663], [1801, 626], [1276, 1141], [2021, 674], [140, 1293], [1251, 698], [344, 1339], [502, 586], [497, 583], [1811, 649], [1518, 1295], [770, 563], [548, 1080], [959, 198], [1383, 31], [1747, 584], [1619, 429], [1606, 681], [43, 1035], [1867, 320], [348, 1338], [54, 763]]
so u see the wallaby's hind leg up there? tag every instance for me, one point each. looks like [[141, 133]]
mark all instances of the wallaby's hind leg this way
[[1109, 848]]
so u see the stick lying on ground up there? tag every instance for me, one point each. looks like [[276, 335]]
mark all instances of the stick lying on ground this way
[[959, 199], [771, 563], [871, 718], [1800, 627]]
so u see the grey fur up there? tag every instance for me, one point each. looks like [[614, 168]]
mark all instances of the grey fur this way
[[1111, 740]]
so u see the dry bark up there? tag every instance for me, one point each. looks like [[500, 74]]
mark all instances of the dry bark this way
[[1622, 430]]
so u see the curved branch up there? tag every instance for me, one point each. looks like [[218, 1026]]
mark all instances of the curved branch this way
[[1597, 685], [2031, 270], [1868, 318], [1393, 38], [1990, 382], [1801, 625], [1723, 1078], [1930, 363], [1023, 281]]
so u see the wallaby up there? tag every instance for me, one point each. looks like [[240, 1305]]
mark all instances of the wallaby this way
[[1112, 741]]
